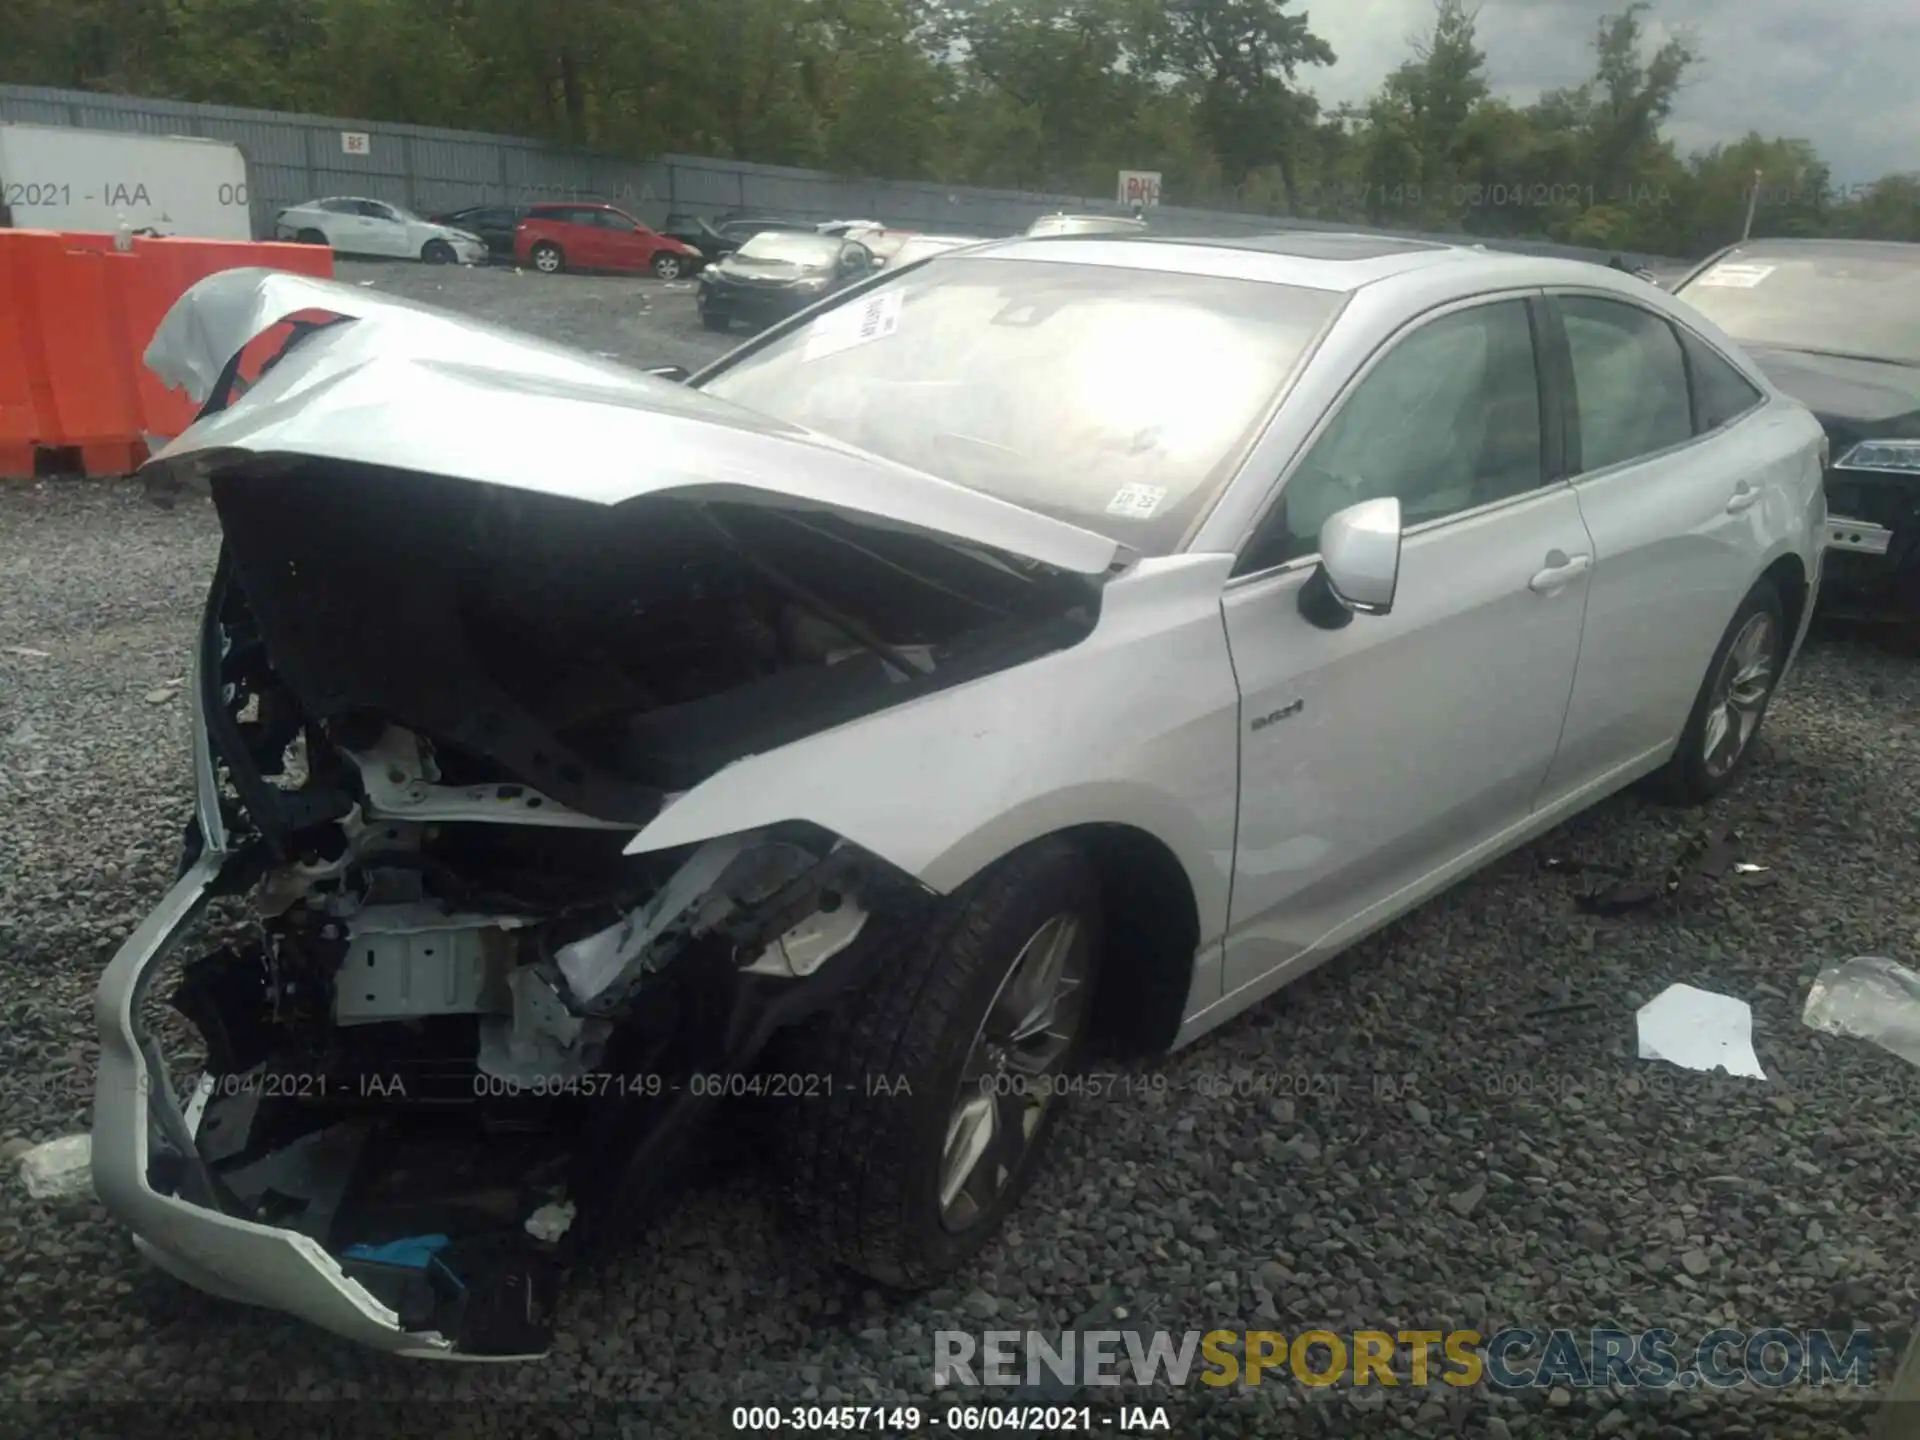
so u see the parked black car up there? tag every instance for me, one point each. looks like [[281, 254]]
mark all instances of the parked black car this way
[[777, 273], [1836, 324], [716, 239], [492, 223]]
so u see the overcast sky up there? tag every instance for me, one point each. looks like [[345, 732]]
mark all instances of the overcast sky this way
[[1842, 76]]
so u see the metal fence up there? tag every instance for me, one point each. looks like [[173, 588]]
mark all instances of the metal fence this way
[[293, 158]]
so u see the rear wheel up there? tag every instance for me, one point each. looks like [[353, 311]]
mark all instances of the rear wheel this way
[[947, 1072], [547, 258], [667, 265], [1733, 700], [437, 252]]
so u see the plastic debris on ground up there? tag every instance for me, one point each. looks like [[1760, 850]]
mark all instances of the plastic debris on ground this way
[[1699, 1030], [1869, 998], [550, 1222], [59, 1169], [1706, 858]]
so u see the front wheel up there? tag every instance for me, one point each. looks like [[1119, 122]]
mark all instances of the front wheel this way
[[437, 252], [667, 266], [949, 1071], [1733, 700], [547, 259], [310, 237], [716, 321]]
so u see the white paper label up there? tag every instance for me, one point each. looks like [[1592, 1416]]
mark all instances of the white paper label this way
[[855, 324], [1735, 276], [1136, 502]]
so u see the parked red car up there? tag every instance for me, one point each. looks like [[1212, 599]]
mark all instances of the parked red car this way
[[577, 236]]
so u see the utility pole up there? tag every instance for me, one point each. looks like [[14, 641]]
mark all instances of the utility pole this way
[[1753, 202]]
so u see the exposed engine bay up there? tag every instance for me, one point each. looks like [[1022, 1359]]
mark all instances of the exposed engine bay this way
[[469, 1032]]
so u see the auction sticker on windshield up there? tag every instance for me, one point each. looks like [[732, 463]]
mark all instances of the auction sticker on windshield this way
[[1736, 276], [1137, 502], [848, 325]]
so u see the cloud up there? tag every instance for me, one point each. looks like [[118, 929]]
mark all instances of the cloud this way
[[1841, 77]]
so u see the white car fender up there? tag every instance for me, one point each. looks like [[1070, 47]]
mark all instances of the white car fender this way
[[1143, 732]]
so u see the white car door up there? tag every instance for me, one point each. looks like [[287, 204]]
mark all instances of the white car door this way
[[383, 231], [1666, 495], [347, 230], [1377, 754]]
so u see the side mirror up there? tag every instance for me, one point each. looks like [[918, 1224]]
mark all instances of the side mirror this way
[[675, 373], [1359, 568]]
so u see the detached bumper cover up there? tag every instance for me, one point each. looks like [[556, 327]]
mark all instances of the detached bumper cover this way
[[219, 1253]]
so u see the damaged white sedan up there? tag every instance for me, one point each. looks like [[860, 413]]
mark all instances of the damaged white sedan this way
[[1059, 642]]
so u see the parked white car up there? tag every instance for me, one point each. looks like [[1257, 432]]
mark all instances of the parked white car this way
[[1064, 642], [356, 226]]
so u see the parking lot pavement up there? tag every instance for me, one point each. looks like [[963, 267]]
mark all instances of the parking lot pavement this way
[[1448, 1127]]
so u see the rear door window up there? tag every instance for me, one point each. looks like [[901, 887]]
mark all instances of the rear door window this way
[[1629, 380]]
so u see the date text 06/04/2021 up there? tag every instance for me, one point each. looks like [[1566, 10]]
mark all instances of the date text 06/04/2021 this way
[[951, 1419]]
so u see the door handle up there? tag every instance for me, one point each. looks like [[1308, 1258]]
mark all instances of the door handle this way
[[1562, 570], [1744, 495]]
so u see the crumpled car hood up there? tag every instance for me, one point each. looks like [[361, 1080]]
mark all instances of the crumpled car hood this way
[[413, 388]]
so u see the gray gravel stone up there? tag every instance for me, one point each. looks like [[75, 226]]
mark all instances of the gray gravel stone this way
[[1347, 1220]]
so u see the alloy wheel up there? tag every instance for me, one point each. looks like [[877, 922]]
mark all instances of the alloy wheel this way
[[1739, 695], [1013, 1069]]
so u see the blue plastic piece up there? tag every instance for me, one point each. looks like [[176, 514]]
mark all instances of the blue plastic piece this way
[[416, 1252]]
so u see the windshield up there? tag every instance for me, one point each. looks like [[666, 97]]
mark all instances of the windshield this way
[[793, 247], [1846, 303], [1116, 399]]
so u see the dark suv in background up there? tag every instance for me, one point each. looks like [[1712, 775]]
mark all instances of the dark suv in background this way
[[494, 224]]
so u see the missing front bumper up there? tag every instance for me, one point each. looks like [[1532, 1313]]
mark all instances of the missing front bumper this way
[[137, 1113], [163, 1166]]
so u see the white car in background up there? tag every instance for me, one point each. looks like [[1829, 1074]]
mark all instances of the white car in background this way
[[353, 225]]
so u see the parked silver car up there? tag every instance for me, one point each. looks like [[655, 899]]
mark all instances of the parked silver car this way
[[1057, 643]]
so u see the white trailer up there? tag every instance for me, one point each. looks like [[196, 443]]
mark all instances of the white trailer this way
[[55, 177]]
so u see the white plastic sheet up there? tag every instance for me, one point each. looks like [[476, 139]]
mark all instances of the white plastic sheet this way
[[1699, 1030], [59, 1169], [1871, 998]]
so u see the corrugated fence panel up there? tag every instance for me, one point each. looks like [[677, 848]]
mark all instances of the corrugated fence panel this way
[[24, 111], [292, 158]]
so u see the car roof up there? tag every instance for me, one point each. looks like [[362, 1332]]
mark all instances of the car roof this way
[[1316, 260]]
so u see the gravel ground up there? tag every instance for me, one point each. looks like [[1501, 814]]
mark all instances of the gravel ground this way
[[1415, 1148]]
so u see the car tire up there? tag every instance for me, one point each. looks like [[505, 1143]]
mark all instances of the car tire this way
[[547, 258], [917, 1072], [715, 321], [668, 266], [1718, 739], [438, 252], [310, 237]]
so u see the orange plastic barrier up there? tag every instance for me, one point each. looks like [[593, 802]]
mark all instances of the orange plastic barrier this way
[[76, 313]]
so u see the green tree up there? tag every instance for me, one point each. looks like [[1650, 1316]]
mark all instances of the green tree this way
[[1239, 60]]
